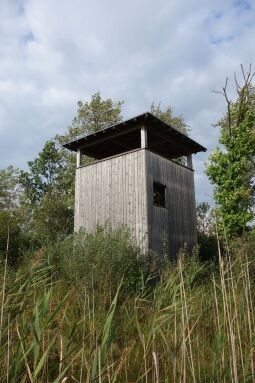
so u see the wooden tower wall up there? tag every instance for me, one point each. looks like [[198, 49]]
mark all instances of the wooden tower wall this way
[[114, 190], [120, 190], [175, 223]]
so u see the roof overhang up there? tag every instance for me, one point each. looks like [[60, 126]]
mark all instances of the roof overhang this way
[[125, 136]]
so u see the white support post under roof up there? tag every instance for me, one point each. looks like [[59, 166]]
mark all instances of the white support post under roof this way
[[78, 158], [143, 137], [189, 161]]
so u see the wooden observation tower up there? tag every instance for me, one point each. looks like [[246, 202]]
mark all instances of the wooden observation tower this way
[[134, 181]]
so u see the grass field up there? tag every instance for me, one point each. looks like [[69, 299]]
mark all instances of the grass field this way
[[195, 325]]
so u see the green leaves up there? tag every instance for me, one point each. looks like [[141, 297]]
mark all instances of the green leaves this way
[[9, 188], [107, 339], [231, 167], [168, 117], [41, 323], [108, 251], [93, 116], [45, 173], [176, 121]]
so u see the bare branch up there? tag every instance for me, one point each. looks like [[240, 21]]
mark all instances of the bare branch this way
[[244, 77], [216, 91], [228, 104], [243, 92], [238, 88]]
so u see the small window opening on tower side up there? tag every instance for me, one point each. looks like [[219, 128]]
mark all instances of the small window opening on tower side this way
[[159, 194]]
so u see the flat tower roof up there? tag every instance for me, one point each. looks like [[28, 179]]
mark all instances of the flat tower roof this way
[[125, 136]]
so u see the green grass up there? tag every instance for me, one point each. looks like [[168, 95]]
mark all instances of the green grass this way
[[195, 325]]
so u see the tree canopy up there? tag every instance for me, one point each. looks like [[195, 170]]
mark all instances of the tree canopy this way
[[167, 116], [45, 173], [93, 116], [231, 166], [9, 188]]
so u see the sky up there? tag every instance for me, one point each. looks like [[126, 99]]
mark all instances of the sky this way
[[54, 53]]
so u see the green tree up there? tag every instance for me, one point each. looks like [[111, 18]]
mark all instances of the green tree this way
[[205, 219], [176, 122], [168, 117], [10, 189], [53, 218], [93, 116], [231, 166], [45, 173], [49, 193]]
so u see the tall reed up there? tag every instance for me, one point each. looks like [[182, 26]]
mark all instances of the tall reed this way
[[195, 325]]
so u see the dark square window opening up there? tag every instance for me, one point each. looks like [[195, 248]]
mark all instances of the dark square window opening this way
[[159, 194]]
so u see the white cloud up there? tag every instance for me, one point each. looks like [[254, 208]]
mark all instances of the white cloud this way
[[54, 53]]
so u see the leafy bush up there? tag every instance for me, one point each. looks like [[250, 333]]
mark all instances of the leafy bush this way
[[102, 258]]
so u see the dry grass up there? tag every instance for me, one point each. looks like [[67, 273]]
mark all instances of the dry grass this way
[[194, 326]]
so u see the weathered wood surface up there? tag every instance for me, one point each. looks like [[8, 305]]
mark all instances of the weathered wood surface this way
[[177, 222], [113, 190], [120, 190]]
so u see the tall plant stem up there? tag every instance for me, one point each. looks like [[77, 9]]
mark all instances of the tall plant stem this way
[[4, 284]]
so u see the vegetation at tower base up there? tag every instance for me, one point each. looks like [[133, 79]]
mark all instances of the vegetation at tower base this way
[[63, 320], [108, 253], [231, 167]]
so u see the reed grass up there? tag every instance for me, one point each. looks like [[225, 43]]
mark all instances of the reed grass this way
[[195, 325]]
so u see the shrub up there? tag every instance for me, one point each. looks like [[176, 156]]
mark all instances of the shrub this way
[[101, 258]]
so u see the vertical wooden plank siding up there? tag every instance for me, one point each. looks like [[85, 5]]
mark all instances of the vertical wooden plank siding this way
[[120, 190], [113, 190], [175, 223]]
